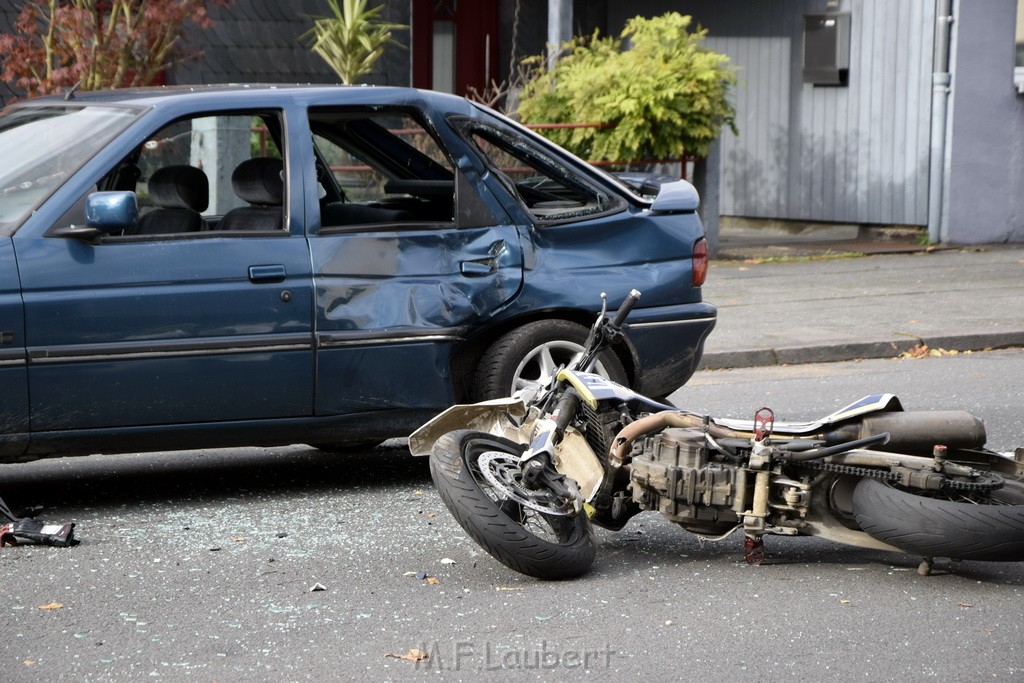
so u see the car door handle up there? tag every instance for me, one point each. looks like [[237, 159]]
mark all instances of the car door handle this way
[[272, 273]]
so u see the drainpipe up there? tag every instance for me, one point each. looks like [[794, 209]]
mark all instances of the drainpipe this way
[[941, 79], [559, 27]]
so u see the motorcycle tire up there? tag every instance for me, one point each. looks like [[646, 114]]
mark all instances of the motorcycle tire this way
[[987, 528], [544, 546]]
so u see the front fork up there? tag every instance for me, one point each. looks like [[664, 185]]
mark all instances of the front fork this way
[[538, 462]]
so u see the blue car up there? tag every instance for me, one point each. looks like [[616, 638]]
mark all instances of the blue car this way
[[191, 267]]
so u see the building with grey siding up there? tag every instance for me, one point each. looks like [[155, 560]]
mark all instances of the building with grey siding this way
[[925, 127], [915, 136]]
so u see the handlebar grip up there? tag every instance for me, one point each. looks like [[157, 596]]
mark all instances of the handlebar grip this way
[[625, 308]]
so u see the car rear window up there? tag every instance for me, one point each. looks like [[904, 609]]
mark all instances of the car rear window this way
[[551, 191]]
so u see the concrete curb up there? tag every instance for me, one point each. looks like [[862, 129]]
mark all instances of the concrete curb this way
[[831, 353]]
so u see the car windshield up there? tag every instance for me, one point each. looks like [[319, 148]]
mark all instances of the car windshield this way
[[42, 146]]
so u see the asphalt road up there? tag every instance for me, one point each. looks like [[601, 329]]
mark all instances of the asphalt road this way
[[199, 565]]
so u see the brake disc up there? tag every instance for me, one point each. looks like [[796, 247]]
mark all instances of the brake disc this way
[[502, 471]]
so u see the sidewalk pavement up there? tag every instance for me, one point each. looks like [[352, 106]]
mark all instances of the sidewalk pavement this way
[[789, 301]]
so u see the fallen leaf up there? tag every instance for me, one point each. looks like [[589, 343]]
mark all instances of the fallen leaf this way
[[413, 655], [965, 604], [28, 662], [238, 539], [844, 602], [433, 581], [52, 605], [417, 492], [919, 351]]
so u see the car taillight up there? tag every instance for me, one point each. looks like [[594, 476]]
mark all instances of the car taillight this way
[[700, 262]]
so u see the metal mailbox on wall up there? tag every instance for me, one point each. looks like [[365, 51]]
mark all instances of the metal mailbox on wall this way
[[826, 49]]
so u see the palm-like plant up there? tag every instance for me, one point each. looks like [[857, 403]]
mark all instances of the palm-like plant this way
[[353, 39]]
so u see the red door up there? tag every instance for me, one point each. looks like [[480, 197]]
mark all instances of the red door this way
[[454, 44]]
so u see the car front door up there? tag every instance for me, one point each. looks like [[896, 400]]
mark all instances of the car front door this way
[[181, 319], [13, 373]]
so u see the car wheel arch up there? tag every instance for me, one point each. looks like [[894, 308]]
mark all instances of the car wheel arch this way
[[466, 356]]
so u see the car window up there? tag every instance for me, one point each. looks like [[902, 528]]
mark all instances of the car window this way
[[220, 173], [379, 167], [45, 145], [550, 191]]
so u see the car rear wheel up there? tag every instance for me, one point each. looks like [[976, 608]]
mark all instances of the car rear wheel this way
[[528, 355]]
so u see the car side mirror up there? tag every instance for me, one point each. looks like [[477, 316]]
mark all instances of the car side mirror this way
[[106, 213], [111, 212]]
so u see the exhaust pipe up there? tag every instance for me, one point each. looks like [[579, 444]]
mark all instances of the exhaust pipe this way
[[916, 432]]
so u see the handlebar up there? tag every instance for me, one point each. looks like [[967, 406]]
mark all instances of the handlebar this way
[[625, 308]]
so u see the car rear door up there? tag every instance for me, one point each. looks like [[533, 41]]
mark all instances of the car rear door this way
[[408, 256]]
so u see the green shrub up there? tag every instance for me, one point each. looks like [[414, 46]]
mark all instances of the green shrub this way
[[352, 39], [659, 93]]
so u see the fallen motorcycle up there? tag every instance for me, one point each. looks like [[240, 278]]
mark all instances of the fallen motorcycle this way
[[528, 476]]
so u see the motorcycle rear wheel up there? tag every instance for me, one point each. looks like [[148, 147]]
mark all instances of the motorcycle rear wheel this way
[[960, 527], [545, 545]]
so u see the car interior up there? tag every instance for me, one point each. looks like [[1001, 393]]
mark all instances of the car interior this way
[[373, 168]]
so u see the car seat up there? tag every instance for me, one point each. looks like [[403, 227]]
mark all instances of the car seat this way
[[180, 194], [260, 182]]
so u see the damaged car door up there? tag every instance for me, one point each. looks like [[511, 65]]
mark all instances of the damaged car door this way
[[409, 252]]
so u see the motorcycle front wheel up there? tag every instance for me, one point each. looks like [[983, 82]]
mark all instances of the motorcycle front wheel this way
[[530, 531], [960, 526]]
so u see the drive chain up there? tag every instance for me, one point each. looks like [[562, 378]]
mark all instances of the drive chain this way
[[987, 483]]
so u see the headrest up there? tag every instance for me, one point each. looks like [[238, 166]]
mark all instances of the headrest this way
[[259, 181], [180, 187]]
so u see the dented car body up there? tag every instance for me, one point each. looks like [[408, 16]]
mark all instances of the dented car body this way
[[200, 267]]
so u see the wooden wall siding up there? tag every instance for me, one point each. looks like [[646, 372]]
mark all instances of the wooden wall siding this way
[[855, 154]]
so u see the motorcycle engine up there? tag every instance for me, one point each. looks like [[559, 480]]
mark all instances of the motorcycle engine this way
[[674, 475]]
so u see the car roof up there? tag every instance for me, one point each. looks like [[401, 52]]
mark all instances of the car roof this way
[[239, 92]]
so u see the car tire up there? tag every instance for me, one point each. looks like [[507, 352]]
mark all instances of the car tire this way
[[526, 354]]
